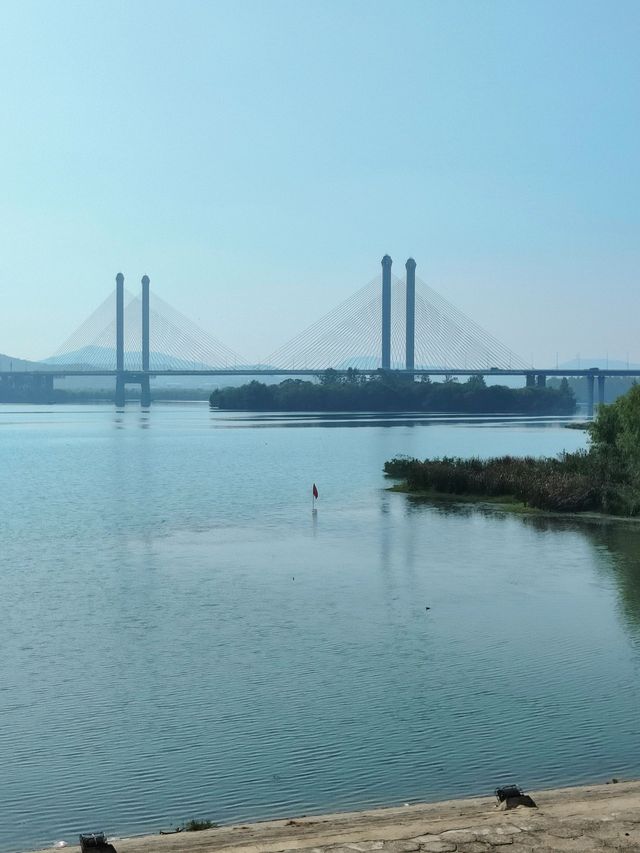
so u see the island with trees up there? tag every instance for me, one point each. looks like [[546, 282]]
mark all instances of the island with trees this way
[[391, 392], [603, 479]]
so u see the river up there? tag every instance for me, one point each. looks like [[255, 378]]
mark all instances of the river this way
[[181, 637]]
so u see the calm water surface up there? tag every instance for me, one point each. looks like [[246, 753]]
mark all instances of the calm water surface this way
[[181, 637]]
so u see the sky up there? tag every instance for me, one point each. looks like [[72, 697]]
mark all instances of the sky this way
[[257, 160]]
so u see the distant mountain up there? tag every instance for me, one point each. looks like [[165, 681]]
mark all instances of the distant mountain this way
[[104, 358], [87, 358], [9, 363]]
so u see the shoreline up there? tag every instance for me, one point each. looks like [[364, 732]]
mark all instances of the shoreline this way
[[591, 817], [508, 505]]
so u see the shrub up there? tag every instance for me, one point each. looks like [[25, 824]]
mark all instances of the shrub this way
[[198, 825]]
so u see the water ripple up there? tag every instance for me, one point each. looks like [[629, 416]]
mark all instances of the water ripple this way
[[160, 662]]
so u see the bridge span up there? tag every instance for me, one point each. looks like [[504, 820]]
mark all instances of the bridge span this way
[[43, 379], [414, 331]]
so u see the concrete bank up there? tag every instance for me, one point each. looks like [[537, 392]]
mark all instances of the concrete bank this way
[[593, 818]]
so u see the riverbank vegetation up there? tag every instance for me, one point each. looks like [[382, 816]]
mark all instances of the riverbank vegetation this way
[[389, 392], [198, 825], [605, 478]]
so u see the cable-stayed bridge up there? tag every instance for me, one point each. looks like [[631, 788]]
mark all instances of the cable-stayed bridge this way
[[391, 324]]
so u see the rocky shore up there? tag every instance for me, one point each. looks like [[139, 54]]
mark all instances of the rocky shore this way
[[593, 818]]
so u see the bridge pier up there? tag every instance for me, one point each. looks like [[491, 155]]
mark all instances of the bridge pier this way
[[120, 390], [530, 380], [386, 312], [601, 390], [590, 388], [133, 377], [145, 392], [541, 380], [410, 328]]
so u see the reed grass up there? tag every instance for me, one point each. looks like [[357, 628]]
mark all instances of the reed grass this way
[[563, 484]]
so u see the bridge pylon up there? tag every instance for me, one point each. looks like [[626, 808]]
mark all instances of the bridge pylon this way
[[132, 377], [145, 387], [386, 312], [120, 340], [410, 325]]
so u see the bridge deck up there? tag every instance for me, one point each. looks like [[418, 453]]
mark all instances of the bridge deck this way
[[134, 375]]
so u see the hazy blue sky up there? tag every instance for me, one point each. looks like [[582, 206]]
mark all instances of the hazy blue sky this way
[[257, 159]]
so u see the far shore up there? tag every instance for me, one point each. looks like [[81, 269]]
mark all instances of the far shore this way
[[588, 818]]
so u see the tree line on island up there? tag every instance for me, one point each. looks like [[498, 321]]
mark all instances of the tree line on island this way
[[605, 478], [391, 392]]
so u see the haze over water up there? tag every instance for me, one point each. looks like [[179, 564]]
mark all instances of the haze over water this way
[[182, 638]]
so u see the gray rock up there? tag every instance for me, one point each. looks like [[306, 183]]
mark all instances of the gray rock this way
[[459, 836], [438, 847]]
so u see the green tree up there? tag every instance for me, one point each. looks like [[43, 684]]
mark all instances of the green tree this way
[[476, 383], [615, 437], [329, 377]]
